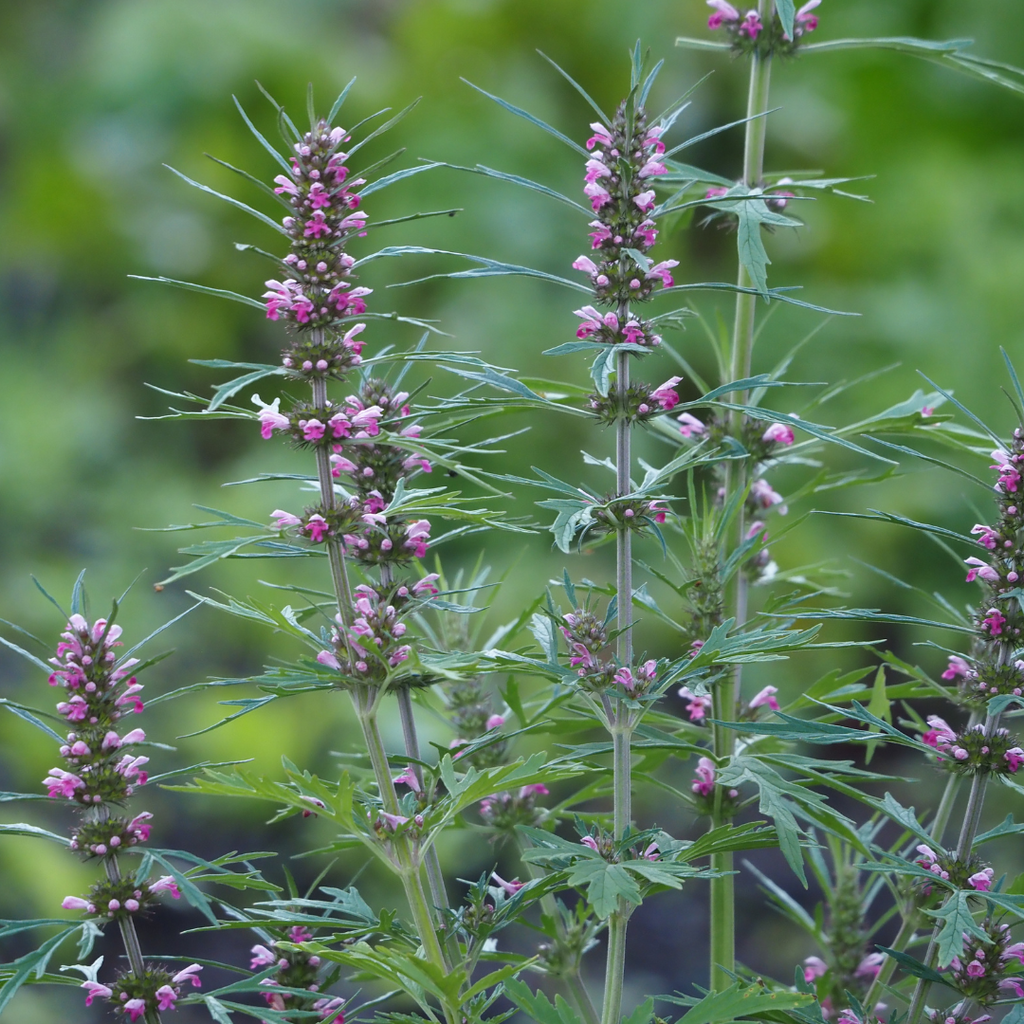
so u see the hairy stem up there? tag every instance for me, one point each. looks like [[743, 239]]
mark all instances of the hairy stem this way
[[723, 925], [611, 1009], [581, 997]]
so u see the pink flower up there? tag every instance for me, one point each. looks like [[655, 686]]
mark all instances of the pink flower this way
[[139, 826], [74, 710], [814, 967], [417, 534], [704, 784], [600, 235], [689, 425], [593, 321], [285, 185], [284, 519], [312, 430], [958, 668], [661, 270], [166, 883], [724, 11], [993, 622], [317, 225], [135, 736], [941, 735], [870, 966], [393, 821], [189, 974], [511, 888], [716, 190], [601, 136], [329, 659], [809, 21], [408, 778], [1014, 758], [987, 536], [766, 696], [261, 957], [645, 201], [1014, 952], [656, 510], [270, 417], [586, 264], [426, 585], [981, 880], [751, 25], [317, 528], [699, 706], [77, 903], [135, 1008], [130, 696], [534, 789], [665, 394], [762, 495], [62, 783], [652, 168], [495, 721], [590, 843], [326, 1005], [166, 997], [624, 677], [95, 991], [1011, 985], [778, 433], [980, 569], [596, 169]]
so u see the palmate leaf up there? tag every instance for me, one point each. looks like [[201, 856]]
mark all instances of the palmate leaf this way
[[538, 1007], [738, 1002], [957, 920]]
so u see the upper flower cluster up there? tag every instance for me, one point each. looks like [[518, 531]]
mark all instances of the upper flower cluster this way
[[98, 770], [626, 158], [748, 33]]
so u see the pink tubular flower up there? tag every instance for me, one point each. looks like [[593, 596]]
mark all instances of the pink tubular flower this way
[[661, 270], [408, 778], [993, 622], [980, 570], [1014, 952], [62, 783], [426, 585], [940, 735], [598, 195], [806, 20], [751, 25], [762, 495], [135, 736], [870, 966], [766, 696], [94, 990], [699, 706], [495, 722], [166, 883], [704, 783], [139, 826], [1014, 758], [511, 888], [601, 136], [814, 967], [135, 1008], [261, 957], [600, 234], [624, 677], [189, 974], [590, 843], [665, 394], [958, 668], [393, 821], [778, 433], [596, 169], [981, 880], [329, 660], [1011, 985], [130, 696], [652, 169], [166, 997], [645, 202], [690, 425], [317, 528], [724, 11], [283, 519], [585, 264], [270, 416], [534, 789], [328, 1004], [417, 534], [77, 903], [987, 536]]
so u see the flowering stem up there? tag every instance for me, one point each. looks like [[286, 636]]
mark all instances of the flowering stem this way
[[723, 925], [581, 997], [131, 939], [968, 831]]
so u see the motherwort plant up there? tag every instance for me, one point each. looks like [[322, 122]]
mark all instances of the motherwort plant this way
[[691, 534]]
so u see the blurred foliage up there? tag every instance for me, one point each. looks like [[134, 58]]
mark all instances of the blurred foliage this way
[[95, 97]]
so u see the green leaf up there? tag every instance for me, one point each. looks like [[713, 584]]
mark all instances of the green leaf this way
[[605, 883], [642, 1014], [957, 920], [519, 112], [263, 142], [787, 12], [188, 286], [269, 221], [22, 829], [33, 962], [538, 1007], [390, 179], [1007, 827], [38, 662], [913, 966], [216, 1010], [739, 1002], [579, 88], [24, 713], [517, 179]]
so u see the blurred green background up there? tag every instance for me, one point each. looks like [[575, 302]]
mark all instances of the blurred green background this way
[[95, 97]]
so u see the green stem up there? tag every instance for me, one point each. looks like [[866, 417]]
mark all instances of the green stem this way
[[902, 940], [581, 997], [130, 938], [611, 1009], [726, 697]]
